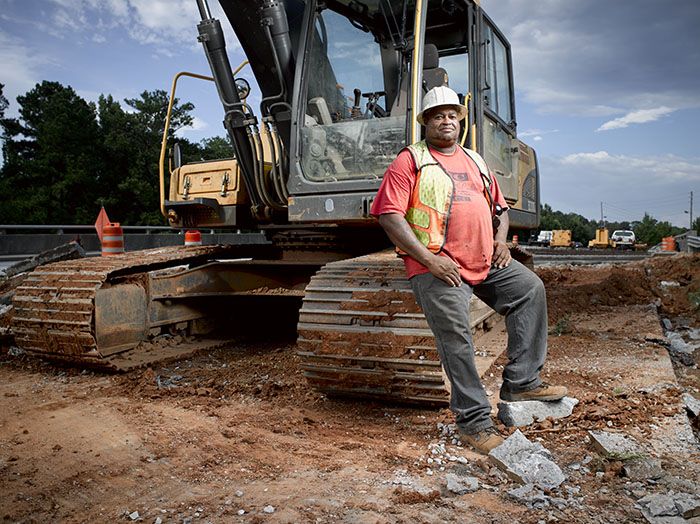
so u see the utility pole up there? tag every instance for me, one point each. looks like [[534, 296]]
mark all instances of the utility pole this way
[[691, 211]]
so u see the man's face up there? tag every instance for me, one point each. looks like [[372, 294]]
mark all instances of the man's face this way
[[442, 126]]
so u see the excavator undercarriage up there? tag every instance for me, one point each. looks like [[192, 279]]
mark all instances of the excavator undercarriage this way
[[361, 332]]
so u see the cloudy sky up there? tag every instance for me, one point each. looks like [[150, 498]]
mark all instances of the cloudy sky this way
[[608, 92]]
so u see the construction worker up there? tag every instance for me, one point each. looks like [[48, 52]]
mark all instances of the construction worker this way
[[439, 205]]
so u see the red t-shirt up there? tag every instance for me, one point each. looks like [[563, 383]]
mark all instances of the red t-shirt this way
[[469, 238]]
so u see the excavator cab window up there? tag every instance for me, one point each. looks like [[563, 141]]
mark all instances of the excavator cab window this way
[[348, 132], [501, 149]]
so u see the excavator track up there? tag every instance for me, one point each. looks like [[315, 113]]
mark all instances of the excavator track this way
[[65, 311], [362, 334]]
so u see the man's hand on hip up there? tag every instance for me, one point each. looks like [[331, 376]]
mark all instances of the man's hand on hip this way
[[445, 269], [501, 255]]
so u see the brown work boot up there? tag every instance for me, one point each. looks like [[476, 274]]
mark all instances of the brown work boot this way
[[544, 391], [483, 441]]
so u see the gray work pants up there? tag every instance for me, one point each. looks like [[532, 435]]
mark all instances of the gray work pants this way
[[513, 291]]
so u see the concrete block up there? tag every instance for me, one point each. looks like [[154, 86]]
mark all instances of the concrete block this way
[[529, 495], [526, 412], [643, 469], [527, 462], [615, 445], [461, 485], [692, 405], [668, 508], [688, 505]]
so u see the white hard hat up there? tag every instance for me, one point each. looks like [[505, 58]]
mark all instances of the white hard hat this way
[[441, 96]]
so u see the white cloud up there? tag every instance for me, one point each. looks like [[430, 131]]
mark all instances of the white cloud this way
[[536, 132], [163, 24], [197, 125], [567, 58], [20, 68], [579, 182], [641, 116], [646, 169]]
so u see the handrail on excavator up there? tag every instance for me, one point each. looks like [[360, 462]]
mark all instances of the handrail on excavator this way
[[164, 143]]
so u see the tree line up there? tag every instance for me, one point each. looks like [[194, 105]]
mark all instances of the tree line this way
[[65, 156], [648, 230]]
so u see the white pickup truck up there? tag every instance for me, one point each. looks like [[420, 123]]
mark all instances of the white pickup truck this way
[[623, 239]]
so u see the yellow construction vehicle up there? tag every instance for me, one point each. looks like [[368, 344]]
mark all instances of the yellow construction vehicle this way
[[601, 240], [561, 238], [341, 84]]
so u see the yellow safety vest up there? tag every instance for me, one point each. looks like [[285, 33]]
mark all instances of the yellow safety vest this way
[[431, 200]]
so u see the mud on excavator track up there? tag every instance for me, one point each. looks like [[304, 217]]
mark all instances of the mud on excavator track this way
[[360, 331], [362, 334], [99, 311]]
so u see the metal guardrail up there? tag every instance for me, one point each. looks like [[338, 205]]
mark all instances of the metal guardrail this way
[[693, 243], [60, 228]]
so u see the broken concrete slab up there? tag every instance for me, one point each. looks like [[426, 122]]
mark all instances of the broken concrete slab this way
[[67, 251], [643, 469], [529, 495], [615, 445], [527, 462], [526, 412], [461, 485], [692, 405], [669, 508], [681, 350], [688, 505]]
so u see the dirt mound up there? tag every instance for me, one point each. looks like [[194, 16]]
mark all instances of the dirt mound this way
[[670, 282]]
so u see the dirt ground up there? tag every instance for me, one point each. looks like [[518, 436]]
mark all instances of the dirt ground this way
[[237, 434]]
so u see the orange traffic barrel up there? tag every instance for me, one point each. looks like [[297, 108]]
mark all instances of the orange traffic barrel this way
[[193, 238], [515, 239], [112, 240], [668, 244]]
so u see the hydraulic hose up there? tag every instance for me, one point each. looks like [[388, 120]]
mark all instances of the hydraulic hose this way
[[282, 158], [211, 36]]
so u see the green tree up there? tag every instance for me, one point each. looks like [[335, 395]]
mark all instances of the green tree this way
[[131, 145], [650, 231], [51, 155], [141, 180], [64, 156], [582, 229], [216, 147], [4, 104]]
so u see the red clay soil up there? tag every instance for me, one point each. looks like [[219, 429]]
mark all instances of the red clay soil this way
[[229, 435]]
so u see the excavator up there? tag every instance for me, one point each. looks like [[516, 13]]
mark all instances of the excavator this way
[[340, 82]]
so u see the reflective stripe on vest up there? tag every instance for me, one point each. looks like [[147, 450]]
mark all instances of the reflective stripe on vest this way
[[431, 200]]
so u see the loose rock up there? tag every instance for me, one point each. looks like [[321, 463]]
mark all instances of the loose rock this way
[[688, 505], [692, 405], [615, 445], [669, 508], [529, 495], [527, 462], [643, 469], [461, 485], [269, 509], [526, 412]]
